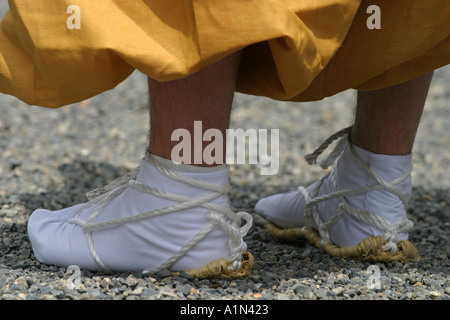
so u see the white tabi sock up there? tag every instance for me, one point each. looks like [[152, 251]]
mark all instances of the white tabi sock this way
[[58, 237], [287, 209]]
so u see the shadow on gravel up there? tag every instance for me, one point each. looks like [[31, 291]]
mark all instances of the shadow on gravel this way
[[78, 178]]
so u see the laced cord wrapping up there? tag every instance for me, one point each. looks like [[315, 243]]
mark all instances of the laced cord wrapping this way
[[311, 199], [218, 215]]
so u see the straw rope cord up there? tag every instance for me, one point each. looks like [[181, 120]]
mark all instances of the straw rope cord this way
[[238, 262]]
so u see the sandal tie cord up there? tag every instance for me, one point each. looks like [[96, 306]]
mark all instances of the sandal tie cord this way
[[311, 199], [218, 215]]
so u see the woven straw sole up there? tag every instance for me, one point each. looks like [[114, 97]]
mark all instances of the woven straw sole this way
[[220, 268], [369, 249]]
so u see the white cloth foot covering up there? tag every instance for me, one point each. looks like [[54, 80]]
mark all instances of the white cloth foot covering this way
[[153, 219], [365, 195]]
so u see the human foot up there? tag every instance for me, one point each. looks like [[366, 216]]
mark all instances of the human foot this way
[[364, 196], [153, 219]]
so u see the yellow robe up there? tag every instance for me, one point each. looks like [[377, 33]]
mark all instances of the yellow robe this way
[[57, 52]]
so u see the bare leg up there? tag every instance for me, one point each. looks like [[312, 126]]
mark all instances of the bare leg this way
[[205, 96], [387, 119]]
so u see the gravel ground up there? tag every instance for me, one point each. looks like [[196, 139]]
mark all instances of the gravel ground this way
[[51, 158]]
